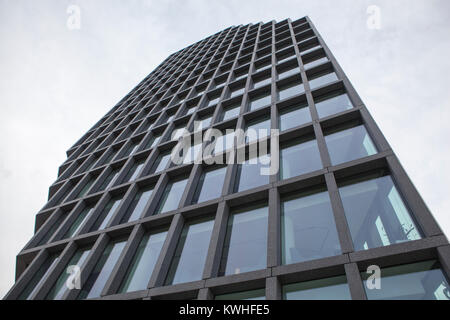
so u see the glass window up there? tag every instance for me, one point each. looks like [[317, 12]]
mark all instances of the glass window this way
[[134, 171], [259, 294], [59, 288], [144, 260], [109, 180], [288, 72], [52, 229], [237, 92], [349, 144], [213, 101], [210, 185], [253, 128], [333, 104], [102, 270], [298, 158], [249, 173], [136, 208], [308, 228], [131, 149], [262, 82], [260, 101], [154, 141], [294, 116], [39, 277], [171, 196], [417, 281], [262, 67], [231, 112], [161, 162], [314, 63], [86, 188], [178, 133], [107, 213], [190, 110], [190, 254], [245, 247], [376, 214], [290, 89], [203, 123], [335, 288], [79, 222], [285, 57], [224, 143], [322, 79]]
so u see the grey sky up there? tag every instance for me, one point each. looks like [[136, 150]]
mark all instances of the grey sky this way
[[57, 83]]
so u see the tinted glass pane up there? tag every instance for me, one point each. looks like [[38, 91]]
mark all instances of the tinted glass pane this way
[[210, 185], [249, 174], [288, 72], [333, 104], [59, 289], [141, 268], [172, 196], [136, 208], [192, 153], [290, 90], [376, 214], [316, 62], [106, 215], [308, 229], [350, 144], [155, 141], [190, 255], [161, 163], [245, 247], [134, 171], [231, 112], [224, 143], [300, 158], [253, 129], [237, 92], [260, 101], [52, 229], [294, 116], [322, 79], [78, 223], [39, 277], [324, 289], [85, 189], [262, 83], [418, 281], [259, 294], [98, 277], [109, 180]]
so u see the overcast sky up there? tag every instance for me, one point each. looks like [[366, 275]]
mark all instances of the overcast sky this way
[[56, 83]]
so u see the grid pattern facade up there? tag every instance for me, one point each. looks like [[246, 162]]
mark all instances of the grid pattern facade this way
[[117, 193]]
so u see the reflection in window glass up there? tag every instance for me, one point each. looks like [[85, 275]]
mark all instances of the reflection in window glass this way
[[316, 62], [224, 143], [350, 144], [192, 153], [171, 196], [190, 255], [245, 247], [136, 208], [262, 83], [333, 104], [141, 267], [259, 294], [417, 281], [335, 288], [294, 116], [39, 277], [288, 72], [107, 213], [161, 162], [109, 180], [134, 171], [237, 92], [249, 173], [85, 189], [322, 79], [231, 112], [376, 214], [102, 270], [290, 89], [79, 222], [253, 128], [298, 158], [260, 101], [308, 228], [210, 185], [59, 288]]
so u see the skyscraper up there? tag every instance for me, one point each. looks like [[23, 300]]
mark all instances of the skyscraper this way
[[124, 221]]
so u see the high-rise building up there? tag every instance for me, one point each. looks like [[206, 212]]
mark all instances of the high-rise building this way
[[136, 225]]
